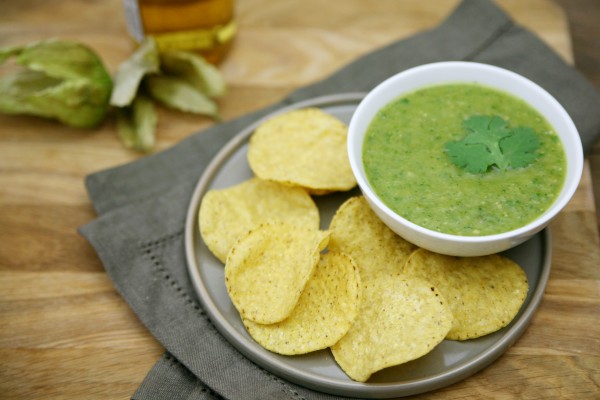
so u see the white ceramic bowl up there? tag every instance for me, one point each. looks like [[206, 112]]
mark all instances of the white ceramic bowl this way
[[466, 72]]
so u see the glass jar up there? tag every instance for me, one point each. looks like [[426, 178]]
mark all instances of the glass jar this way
[[205, 26]]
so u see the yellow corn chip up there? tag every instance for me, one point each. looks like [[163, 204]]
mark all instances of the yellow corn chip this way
[[305, 147], [484, 293], [375, 248], [267, 269], [324, 312], [400, 319], [227, 213]]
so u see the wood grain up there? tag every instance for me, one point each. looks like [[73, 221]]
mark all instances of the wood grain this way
[[585, 31], [64, 330]]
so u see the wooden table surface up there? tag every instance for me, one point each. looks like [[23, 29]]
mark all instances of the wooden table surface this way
[[66, 333]]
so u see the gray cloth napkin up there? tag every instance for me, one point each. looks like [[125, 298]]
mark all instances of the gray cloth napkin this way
[[142, 206]]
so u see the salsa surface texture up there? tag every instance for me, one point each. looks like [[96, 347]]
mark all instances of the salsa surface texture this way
[[408, 168]]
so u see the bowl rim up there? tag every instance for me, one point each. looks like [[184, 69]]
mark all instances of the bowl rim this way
[[574, 162]]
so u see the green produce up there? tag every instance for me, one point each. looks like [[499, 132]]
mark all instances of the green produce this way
[[136, 124], [179, 80], [66, 81], [130, 73], [60, 79], [195, 70], [178, 94]]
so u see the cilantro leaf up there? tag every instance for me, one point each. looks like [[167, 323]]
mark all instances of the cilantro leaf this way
[[520, 148], [474, 158], [491, 142]]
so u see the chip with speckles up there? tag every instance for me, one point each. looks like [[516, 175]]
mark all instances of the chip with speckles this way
[[358, 232], [324, 313], [484, 293], [227, 213], [304, 147], [401, 318], [267, 269]]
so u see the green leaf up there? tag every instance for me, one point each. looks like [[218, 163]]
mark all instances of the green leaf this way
[[491, 142], [126, 127], [485, 129], [145, 60], [194, 69], [520, 148], [62, 80], [180, 95], [473, 158], [136, 124]]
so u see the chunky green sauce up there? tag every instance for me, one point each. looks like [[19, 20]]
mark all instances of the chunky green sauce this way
[[405, 162]]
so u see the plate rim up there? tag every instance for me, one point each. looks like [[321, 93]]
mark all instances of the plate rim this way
[[310, 380]]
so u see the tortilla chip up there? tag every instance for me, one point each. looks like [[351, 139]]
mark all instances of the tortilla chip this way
[[267, 269], [375, 248], [306, 148], [400, 319], [324, 313], [227, 213], [484, 293]]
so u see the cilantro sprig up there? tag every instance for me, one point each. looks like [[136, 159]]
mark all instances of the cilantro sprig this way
[[491, 142]]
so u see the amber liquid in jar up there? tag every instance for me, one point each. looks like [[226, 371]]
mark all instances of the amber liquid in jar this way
[[205, 26]]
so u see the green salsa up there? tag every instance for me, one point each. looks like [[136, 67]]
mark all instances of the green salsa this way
[[406, 163]]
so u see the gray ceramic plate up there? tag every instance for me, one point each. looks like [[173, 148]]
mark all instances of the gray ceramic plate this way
[[449, 362]]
